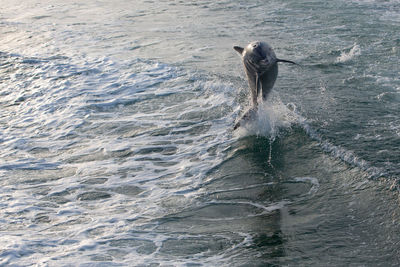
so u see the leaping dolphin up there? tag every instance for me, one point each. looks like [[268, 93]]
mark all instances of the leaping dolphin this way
[[261, 66]]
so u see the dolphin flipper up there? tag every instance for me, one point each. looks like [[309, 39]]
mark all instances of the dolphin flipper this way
[[238, 49]]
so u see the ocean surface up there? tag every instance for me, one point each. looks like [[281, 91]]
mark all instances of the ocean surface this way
[[117, 145]]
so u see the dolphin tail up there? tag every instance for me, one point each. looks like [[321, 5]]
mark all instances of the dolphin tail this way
[[250, 115], [286, 61]]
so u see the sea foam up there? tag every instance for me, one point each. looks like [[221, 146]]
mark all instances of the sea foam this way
[[272, 116], [346, 56]]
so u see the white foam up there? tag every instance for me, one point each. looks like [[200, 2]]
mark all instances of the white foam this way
[[264, 209], [82, 120], [313, 181], [346, 56], [272, 116]]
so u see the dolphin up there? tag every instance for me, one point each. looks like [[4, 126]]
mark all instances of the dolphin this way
[[261, 66]]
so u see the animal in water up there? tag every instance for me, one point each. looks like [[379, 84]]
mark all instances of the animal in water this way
[[261, 67]]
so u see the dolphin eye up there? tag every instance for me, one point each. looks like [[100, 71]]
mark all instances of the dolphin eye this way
[[255, 45]]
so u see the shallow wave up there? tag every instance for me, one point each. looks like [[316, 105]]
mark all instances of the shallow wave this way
[[96, 147], [338, 152], [88, 144]]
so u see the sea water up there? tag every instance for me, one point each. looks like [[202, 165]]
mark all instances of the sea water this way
[[117, 145]]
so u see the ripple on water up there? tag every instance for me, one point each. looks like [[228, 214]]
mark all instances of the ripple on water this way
[[93, 195]]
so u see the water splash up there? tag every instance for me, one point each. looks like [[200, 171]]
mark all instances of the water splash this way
[[271, 117], [354, 51]]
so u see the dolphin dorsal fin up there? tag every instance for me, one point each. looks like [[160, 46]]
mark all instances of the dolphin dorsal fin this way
[[239, 49]]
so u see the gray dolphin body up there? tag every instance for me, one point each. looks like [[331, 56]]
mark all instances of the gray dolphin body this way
[[261, 66]]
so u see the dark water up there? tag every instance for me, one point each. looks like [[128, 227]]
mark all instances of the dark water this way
[[117, 146]]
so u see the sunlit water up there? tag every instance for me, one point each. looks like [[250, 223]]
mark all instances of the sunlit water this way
[[117, 145]]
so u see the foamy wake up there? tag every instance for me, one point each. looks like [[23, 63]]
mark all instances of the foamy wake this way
[[274, 116], [354, 51]]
